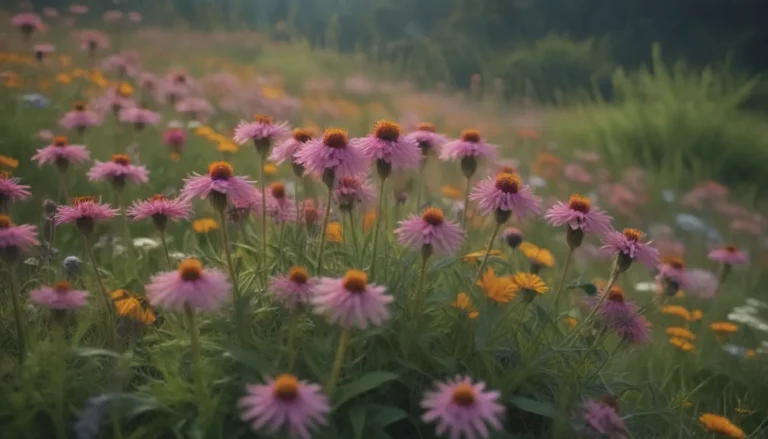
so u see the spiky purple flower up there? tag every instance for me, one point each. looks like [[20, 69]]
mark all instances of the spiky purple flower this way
[[11, 191], [579, 214], [353, 191], [389, 149], [729, 255], [59, 297], [628, 246], [118, 171], [262, 131], [190, 285], [504, 195], [332, 157], [463, 408], [351, 301], [294, 289], [430, 232], [221, 183]]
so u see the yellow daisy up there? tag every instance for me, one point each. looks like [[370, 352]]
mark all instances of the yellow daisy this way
[[134, 307], [676, 310], [676, 331], [719, 424], [204, 225], [723, 328], [474, 257], [8, 162], [531, 284], [498, 289], [681, 343], [538, 257], [333, 232], [463, 303]]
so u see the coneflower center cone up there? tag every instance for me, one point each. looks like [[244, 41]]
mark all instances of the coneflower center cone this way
[[355, 281], [464, 395], [286, 388], [299, 275], [190, 270], [386, 130]]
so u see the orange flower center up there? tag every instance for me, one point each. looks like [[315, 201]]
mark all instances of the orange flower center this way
[[220, 171], [158, 197], [190, 269], [508, 183], [507, 170], [731, 248], [286, 388], [433, 216], [335, 138], [62, 286], [616, 294], [579, 203], [278, 190], [386, 130], [79, 106], [60, 141], [302, 135], [4, 175], [632, 234], [298, 275], [464, 395], [677, 263], [267, 120], [355, 281], [81, 200], [5, 222], [426, 126], [121, 159], [471, 136]]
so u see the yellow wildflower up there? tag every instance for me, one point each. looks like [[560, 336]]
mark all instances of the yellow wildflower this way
[[723, 328], [204, 131], [498, 289], [531, 284], [126, 90], [676, 310], [571, 322], [750, 353], [204, 225], [134, 307], [270, 169], [8, 162], [681, 343], [228, 147], [696, 315], [676, 331], [719, 424], [369, 220], [451, 192], [474, 257], [65, 61], [538, 257], [333, 232], [463, 303], [743, 411]]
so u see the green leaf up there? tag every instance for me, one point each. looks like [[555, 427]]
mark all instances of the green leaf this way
[[363, 384], [357, 419], [250, 359], [129, 405], [93, 352], [380, 416], [546, 409], [588, 288]]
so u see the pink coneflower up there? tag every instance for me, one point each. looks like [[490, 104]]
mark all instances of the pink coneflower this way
[[27, 22], [113, 15], [351, 301], [287, 149], [42, 50], [113, 100], [353, 191], [175, 86], [147, 81], [262, 131], [602, 419], [620, 315], [427, 139], [84, 212], [279, 207], [139, 117], [195, 108], [729, 255], [332, 157], [175, 138], [80, 118], [576, 173], [430, 232], [461, 407], [92, 41], [513, 237], [389, 149], [628, 247], [50, 12], [61, 154], [124, 64], [221, 183], [673, 276], [504, 195], [285, 403], [15, 239], [580, 217], [189, 286], [134, 17], [293, 289], [239, 210], [161, 209], [118, 171], [11, 191], [59, 297], [469, 149], [701, 283], [78, 9]]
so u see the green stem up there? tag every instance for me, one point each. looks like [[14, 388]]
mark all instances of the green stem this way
[[280, 246], [418, 302], [264, 218], [466, 205], [379, 213], [606, 292], [562, 281], [197, 365], [605, 361], [419, 187], [323, 232], [233, 277], [61, 346], [110, 317], [165, 250], [17, 315], [292, 339], [487, 252], [341, 349], [353, 232]]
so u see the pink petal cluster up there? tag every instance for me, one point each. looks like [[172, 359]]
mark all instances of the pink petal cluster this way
[[190, 285], [22, 237], [280, 207], [219, 179], [80, 119], [628, 243], [427, 139], [579, 214], [124, 64], [61, 154], [197, 108], [59, 297], [91, 40], [431, 229], [27, 22], [263, 128], [84, 208], [287, 149], [351, 301], [463, 408], [386, 144], [160, 206], [469, 145], [11, 190], [505, 192], [293, 289], [118, 170], [332, 153], [140, 117], [604, 420], [620, 315], [353, 191], [729, 255]]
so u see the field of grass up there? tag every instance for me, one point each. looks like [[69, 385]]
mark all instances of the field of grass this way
[[684, 357]]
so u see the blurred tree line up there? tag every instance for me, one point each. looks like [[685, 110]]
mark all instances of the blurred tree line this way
[[533, 45]]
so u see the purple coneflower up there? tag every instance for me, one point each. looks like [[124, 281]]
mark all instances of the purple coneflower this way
[[221, 184], [50, 12], [118, 171], [61, 154], [174, 139], [427, 139], [389, 149], [139, 117], [580, 217], [80, 118], [513, 237], [190, 286], [134, 17], [351, 301], [195, 108], [430, 232], [42, 50], [729, 255], [353, 191], [123, 64], [461, 407], [620, 315], [504, 195], [59, 297], [175, 86], [11, 191], [469, 149], [161, 209], [92, 41], [287, 149], [332, 157], [15, 239], [27, 23], [602, 418], [285, 403], [279, 207], [85, 212], [673, 276], [628, 247], [702, 283], [262, 132], [115, 100], [293, 289]]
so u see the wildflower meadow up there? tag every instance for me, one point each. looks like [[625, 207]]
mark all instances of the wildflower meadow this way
[[223, 234]]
